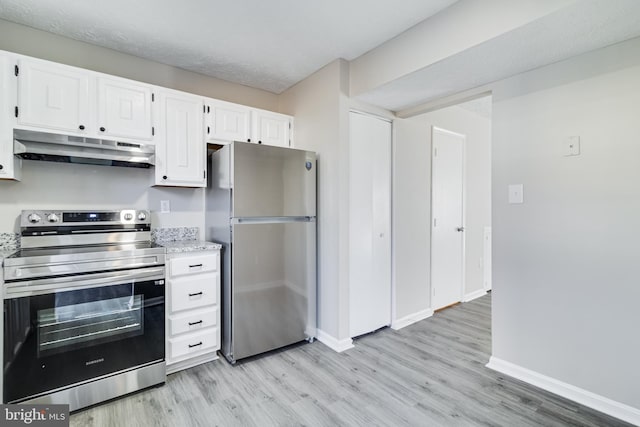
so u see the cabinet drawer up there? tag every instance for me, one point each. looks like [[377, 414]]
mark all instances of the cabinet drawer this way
[[193, 292], [193, 264], [193, 343], [193, 321]]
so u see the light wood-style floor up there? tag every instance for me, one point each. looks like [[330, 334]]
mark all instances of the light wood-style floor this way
[[431, 373]]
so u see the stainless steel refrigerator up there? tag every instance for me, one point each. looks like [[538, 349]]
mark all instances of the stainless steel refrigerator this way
[[261, 205]]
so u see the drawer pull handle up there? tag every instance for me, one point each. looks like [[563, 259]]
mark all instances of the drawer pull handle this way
[[195, 345], [196, 294], [195, 323], [195, 265]]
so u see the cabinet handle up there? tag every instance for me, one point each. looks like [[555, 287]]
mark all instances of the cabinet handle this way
[[259, 142], [195, 265], [81, 127], [196, 294], [164, 176], [102, 129], [208, 130], [195, 323], [1, 167], [195, 345], [248, 139]]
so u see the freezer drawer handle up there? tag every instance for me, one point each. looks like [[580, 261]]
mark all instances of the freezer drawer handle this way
[[195, 323], [195, 265], [195, 345], [196, 294]]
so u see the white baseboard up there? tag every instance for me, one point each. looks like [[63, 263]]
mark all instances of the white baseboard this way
[[475, 294], [334, 344], [190, 363], [411, 319], [599, 403]]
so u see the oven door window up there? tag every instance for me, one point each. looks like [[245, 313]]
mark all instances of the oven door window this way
[[74, 326], [58, 339]]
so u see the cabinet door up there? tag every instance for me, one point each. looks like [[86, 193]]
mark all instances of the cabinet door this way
[[271, 128], [181, 151], [227, 121], [124, 109], [53, 96], [7, 105]]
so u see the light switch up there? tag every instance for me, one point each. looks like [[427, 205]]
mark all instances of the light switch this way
[[516, 195], [165, 206], [572, 146]]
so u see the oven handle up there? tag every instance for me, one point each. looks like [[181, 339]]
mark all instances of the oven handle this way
[[84, 281]]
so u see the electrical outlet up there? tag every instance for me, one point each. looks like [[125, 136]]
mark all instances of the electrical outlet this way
[[572, 146], [165, 206]]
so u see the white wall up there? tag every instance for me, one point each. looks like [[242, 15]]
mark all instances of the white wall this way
[[566, 262], [48, 185], [316, 103], [412, 204]]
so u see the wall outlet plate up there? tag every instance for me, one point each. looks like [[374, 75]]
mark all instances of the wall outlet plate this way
[[572, 146], [165, 206], [516, 194]]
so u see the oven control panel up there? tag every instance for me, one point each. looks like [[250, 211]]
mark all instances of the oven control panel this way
[[49, 218]]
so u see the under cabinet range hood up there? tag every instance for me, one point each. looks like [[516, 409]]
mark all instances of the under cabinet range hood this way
[[52, 147]]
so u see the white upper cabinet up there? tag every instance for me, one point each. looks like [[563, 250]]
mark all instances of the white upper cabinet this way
[[53, 96], [59, 98], [271, 128], [124, 109], [180, 147], [227, 122], [9, 164]]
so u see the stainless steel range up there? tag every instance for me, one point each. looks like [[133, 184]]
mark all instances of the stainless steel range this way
[[83, 308]]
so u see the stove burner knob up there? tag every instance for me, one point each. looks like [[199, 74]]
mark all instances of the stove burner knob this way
[[142, 216], [34, 218], [53, 218], [128, 216]]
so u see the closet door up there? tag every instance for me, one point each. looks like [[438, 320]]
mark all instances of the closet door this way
[[369, 224]]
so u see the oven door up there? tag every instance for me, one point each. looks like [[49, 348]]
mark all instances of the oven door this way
[[80, 328]]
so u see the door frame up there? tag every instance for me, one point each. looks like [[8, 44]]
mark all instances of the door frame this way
[[463, 285]]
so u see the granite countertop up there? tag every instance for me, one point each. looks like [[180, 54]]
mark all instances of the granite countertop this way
[[9, 244], [174, 247], [4, 253], [182, 239]]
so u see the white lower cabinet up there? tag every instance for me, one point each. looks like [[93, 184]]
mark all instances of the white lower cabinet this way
[[193, 309]]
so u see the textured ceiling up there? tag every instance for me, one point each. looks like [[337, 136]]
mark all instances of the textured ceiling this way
[[583, 26], [267, 44]]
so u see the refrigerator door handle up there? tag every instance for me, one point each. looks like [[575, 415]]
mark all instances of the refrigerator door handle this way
[[272, 219]]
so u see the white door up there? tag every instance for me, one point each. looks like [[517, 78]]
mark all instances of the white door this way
[[369, 224], [227, 121], [271, 128], [53, 96], [447, 218], [124, 109], [180, 154]]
